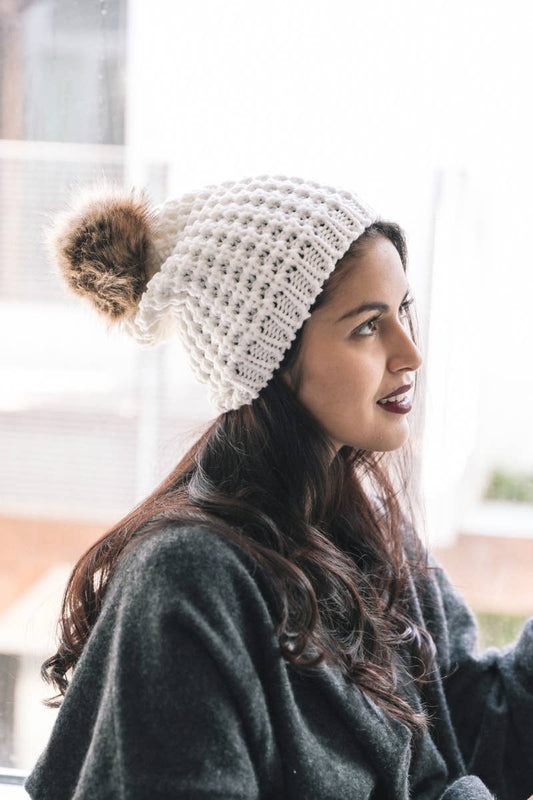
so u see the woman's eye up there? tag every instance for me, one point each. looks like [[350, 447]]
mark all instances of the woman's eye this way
[[370, 327], [404, 310]]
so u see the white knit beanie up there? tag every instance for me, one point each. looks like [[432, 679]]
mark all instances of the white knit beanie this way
[[237, 268]]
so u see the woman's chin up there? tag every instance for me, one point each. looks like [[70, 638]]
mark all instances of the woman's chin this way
[[398, 440], [385, 443]]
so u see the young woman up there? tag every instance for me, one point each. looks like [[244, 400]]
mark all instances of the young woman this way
[[267, 624]]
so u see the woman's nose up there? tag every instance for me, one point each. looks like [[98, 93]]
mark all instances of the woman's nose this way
[[405, 355]]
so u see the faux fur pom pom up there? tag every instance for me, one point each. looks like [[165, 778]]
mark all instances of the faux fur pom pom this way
[[102, 246]]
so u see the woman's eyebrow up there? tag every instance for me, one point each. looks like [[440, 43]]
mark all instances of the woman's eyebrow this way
[[370, 306]]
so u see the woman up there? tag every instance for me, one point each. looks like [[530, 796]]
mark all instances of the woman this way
[[266, 624]]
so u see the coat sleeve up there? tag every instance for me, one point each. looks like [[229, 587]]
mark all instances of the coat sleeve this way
[[490, 695], [157, 707]]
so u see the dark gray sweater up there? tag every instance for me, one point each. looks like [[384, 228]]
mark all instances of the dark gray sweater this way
[[181, 694]]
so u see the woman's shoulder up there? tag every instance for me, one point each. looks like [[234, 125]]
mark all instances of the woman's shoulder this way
[[183, 564], [178, 547]]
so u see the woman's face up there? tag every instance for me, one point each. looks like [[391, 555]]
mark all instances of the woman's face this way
[[350, 357]]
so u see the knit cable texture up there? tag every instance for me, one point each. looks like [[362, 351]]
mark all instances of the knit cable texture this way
[[242, 264]]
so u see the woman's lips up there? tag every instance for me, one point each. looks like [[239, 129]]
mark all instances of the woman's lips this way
[[401, 406]]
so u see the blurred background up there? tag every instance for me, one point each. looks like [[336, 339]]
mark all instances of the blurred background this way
[[421, 107]]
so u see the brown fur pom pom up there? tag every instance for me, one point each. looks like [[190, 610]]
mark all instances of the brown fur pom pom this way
[[102, 246]]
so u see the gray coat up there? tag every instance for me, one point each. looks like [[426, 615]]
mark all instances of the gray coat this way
[[181, 693]]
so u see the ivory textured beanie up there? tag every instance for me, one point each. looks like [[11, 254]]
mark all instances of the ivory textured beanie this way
[[232, 269]]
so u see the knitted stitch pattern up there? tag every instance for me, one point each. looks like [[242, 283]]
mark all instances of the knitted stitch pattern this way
[[243, 263]]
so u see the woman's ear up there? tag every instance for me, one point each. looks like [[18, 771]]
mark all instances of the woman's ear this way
[[288, 379]]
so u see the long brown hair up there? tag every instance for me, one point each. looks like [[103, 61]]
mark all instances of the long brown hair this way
[[327, 534]]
